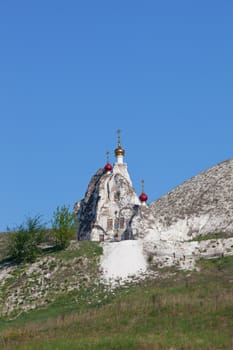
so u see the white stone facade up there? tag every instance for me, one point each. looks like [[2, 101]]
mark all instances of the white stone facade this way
[[113, 203]]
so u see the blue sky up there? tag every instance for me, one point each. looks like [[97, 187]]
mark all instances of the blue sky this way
[[73, 72]]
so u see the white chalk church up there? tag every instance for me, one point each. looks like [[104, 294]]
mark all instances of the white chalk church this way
[[110, 202]]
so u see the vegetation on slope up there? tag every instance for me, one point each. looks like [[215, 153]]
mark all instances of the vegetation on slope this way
[[25, 242], [208, 236], [4, 237], [180, 311], [55, 274]]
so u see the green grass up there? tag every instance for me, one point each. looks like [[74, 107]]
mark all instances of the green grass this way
[[86, 248], [211, 236], [187, 311], [76, 269], [3, 245]]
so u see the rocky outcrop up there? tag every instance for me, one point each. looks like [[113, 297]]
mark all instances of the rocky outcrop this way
[[201, 205], [28, 286], [176, 229], [194, 220], [87, 208]]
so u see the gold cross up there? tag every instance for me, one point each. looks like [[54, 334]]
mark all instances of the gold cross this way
[[143, 183], [119, 137], [107, 155]]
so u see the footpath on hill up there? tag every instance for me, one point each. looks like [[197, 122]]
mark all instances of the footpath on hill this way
[[122, 260]]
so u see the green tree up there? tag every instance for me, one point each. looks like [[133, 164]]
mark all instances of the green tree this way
[[24, 240], [64, 226]]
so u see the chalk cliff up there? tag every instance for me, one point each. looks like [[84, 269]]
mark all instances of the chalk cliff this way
[[194, 220], [201, 205]]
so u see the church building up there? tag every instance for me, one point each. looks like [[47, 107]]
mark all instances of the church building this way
[[110, 202]]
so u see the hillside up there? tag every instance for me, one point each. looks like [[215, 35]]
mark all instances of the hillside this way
[[170, 289], [175, 311], [192, 221], [3, 245], [54, 274], [200, 206]]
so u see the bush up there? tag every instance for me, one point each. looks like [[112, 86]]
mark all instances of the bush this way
[[64, 226], [25, 239]]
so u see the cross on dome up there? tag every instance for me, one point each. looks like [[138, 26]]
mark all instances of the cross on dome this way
[[143, 185], [143, 196], [107, 156], [108, 167], [119, 151]]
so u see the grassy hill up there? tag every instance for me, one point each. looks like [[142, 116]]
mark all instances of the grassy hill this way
[[3, 245], [176, 311]]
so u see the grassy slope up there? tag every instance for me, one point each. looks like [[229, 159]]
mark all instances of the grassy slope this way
[[49, 279], [211, 236], [3, 245], [184, 311]]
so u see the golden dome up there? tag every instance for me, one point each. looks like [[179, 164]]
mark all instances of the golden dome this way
[[119, 151]]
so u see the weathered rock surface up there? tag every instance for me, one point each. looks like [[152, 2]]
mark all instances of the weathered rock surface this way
[[176, 227], [108, 207], [87, 208], [26, 287], [203, 204]]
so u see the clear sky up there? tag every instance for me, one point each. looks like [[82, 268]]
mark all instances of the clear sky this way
[[73, 72]]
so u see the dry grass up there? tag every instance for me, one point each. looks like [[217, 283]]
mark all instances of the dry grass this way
[[185, 312]]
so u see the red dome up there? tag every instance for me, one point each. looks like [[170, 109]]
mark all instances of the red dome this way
[[143, 197], [108, 167]]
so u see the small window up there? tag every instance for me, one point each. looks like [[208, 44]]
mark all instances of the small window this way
[[109, 224], [116, 224], [117, 196], [122, 222]]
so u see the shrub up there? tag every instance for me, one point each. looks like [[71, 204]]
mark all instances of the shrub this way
[[25, 239], [64, 226]]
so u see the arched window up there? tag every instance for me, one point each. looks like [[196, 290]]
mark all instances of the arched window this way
[[109, 224], [117, 196], [116, 224], [122, 222]]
